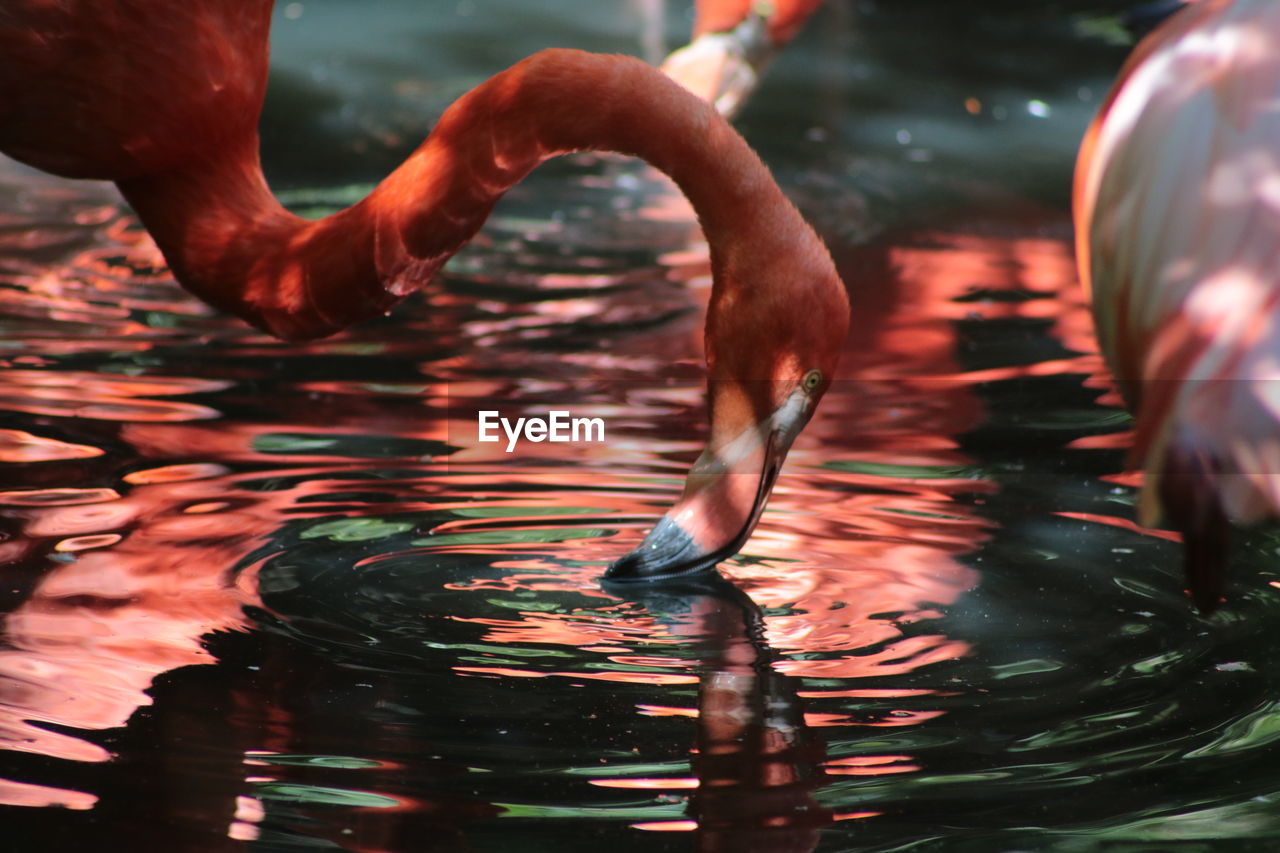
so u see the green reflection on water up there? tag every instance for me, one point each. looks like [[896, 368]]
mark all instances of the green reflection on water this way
[[507, 537], [505, 651], [1256, 818], [650, 811], [344, 762], [1156, 663], [652, 768], [527, 605], [1255, 730], [1026, 667], [317, 795], [905, 472], [356, 529], [355, 446]]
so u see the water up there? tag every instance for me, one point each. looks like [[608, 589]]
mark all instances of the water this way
[[261, 596]]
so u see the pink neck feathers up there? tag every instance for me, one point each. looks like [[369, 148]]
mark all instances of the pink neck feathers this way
[[230, 242]]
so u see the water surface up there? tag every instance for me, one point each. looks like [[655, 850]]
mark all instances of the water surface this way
[[265, 596]]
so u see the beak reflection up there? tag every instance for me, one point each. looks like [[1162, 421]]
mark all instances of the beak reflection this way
[[756, 761]]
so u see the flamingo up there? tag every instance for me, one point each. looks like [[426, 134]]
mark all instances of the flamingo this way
[[164, 98], [1177, 209], [733, 41]]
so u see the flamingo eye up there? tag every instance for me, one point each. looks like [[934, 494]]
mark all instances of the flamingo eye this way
[[812, 380]]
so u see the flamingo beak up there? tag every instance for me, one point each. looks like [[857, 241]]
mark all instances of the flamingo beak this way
[[723, 498], [723, 68]]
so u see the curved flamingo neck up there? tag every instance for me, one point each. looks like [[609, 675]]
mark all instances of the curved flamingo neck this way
[[230, 242]]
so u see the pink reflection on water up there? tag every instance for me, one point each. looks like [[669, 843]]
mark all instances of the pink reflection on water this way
[[863, 543], [94, 632], [863, 533], [73, 257], [20, 446], [150, 576], [853, 546], [89, 395]]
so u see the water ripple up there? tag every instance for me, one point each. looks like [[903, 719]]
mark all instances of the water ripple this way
[[283, 576]]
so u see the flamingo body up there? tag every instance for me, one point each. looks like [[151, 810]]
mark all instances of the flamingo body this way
[[112, 91], [163, 98], [1178, 237]]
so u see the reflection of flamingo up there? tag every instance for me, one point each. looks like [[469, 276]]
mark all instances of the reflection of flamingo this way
[[757, 762], [164, 101], [1178, 238]]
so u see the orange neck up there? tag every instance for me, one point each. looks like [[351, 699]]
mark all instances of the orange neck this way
[[230, 242]]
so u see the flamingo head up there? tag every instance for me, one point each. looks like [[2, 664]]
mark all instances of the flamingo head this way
[[771, 359]]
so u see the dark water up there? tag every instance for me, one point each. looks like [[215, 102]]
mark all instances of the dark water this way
[[262, 596]]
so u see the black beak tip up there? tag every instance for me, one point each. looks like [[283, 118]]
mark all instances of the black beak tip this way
[[1205, 563], [1189, 495], [667, 552]]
